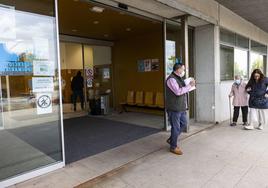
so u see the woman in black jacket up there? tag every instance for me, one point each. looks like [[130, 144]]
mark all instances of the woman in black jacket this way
[[258, 100]]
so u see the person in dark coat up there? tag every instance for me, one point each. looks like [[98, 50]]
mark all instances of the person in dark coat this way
[[258, 100], [77, 86]]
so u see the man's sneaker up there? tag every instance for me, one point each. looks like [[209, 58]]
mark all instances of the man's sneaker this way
[[233, 124], [260, 127], [249, 127], [176, 151]]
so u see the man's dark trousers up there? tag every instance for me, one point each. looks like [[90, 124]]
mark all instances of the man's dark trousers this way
[[178, 121], [79, 93]]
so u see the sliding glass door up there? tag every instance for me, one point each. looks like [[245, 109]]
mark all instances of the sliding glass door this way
[[30, 137]]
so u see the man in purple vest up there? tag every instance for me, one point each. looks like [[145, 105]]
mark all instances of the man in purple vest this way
[[176, 104]]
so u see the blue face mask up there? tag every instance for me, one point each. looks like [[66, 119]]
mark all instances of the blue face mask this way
[[238, 82]]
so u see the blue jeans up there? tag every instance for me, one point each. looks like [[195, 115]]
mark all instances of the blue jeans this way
[[178, 121], [79, 93]]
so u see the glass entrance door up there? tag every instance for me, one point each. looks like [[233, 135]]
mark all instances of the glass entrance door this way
[[30, 138], [178, 37], [1, 107], [173, 49], [72, 71]]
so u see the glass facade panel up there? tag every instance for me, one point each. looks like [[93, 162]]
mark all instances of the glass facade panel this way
[[256, 61], [30, 134], [227, 37], [242, 42], [257, 47], [241, 63], [227, 63], [174, 46]]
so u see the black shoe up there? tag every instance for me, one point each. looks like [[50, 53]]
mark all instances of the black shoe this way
[[233, 124], [168, 141]]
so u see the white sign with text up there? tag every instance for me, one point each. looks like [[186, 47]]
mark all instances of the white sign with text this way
[[42, 84]]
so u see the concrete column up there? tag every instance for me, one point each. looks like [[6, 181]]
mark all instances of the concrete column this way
[[206, 63]]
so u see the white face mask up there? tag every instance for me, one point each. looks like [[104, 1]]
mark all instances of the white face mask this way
[[182, 74], [237, 82]]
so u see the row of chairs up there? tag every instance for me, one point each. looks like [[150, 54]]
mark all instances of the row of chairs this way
[[144, 99]]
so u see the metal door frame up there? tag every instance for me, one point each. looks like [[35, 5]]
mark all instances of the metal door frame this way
[[185, 56]]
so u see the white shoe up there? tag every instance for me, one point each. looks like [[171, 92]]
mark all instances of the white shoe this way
[[260, 127], [249, 127]]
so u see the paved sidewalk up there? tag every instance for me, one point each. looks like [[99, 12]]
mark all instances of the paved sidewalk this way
[[92, 167], [220, 157]]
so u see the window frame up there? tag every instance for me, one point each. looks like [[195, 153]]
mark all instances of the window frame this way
[[249, 50]]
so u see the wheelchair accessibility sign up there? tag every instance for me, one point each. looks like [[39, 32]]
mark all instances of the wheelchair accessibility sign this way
[[44, 103]]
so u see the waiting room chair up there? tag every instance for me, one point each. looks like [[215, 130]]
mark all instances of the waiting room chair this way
[[139, 98], [149, 99], [159, 100], [130, 98]]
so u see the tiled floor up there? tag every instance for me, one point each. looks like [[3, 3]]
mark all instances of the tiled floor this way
[[92, 167]]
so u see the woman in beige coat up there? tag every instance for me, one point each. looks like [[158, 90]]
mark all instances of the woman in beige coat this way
[[240, 100]]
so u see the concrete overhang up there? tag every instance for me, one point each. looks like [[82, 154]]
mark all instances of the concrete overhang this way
[[189, 10], [255, 11]]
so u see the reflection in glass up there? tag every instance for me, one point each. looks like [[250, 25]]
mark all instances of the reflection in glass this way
[[227, 37], [259, 48], [256, 61], [30, 116], [174, 45], [227, 63], [241, 63], [170, 56]]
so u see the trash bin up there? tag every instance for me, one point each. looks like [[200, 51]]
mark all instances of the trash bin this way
[[104, 100], [95, 106]]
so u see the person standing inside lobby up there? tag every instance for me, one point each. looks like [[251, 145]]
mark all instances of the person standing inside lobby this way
[[177, 104], [77, 86]]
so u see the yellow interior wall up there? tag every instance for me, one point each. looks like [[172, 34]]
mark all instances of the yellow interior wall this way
[[125, 55], [88, 52]]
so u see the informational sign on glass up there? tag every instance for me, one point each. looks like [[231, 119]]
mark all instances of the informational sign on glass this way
[[44, 103], [43, 68], [42, 84]]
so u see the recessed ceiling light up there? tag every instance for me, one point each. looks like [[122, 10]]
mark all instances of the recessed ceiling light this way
[[97, 9], [96, 22], [128, 29], [74, 30]]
